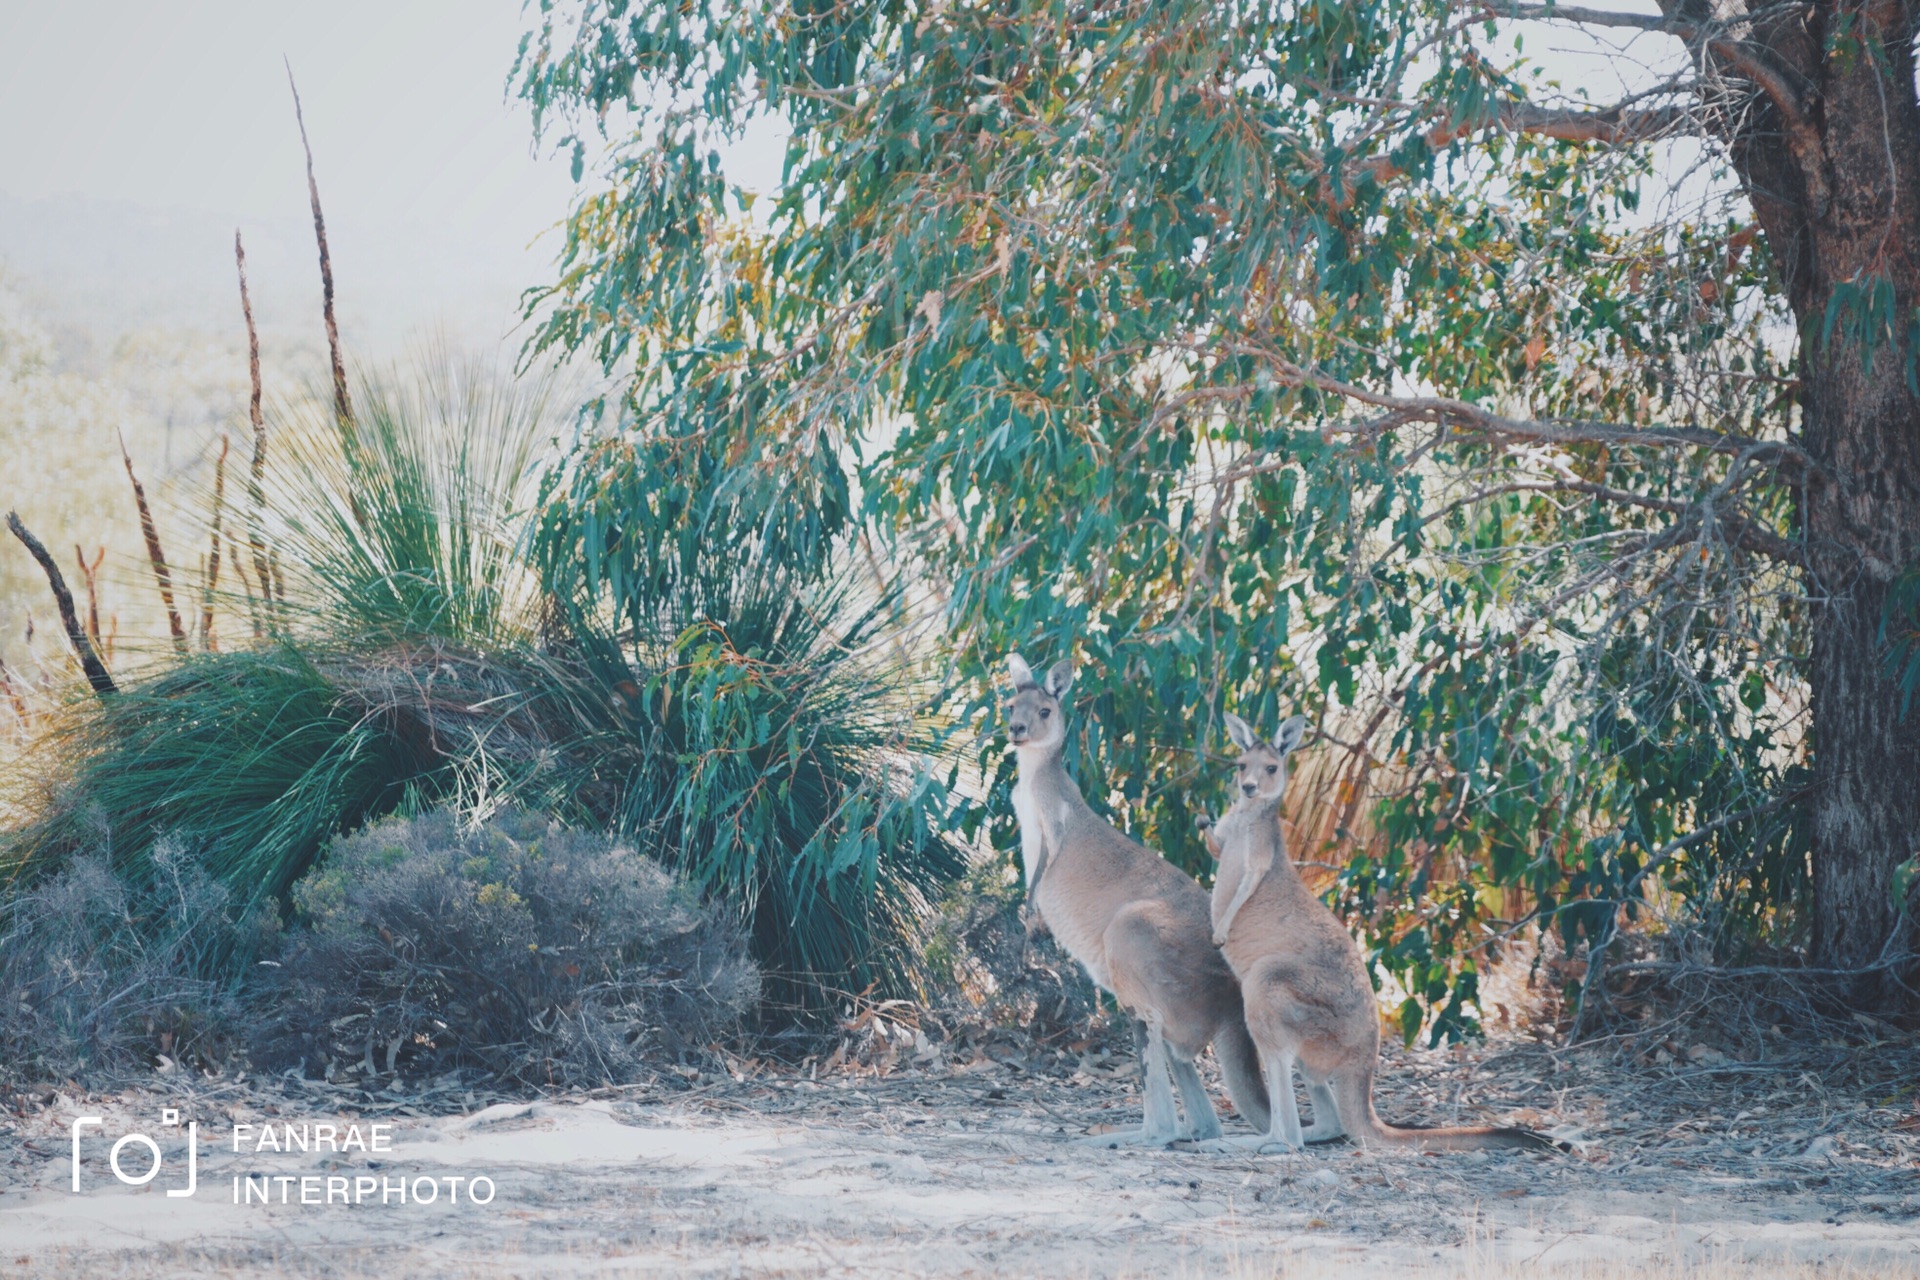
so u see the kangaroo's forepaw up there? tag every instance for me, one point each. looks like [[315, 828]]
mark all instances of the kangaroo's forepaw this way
[[1219, 940]]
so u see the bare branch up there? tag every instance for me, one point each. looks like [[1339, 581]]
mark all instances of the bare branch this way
[[76, 635], [90, 574], [1460, 415], [1617, 125], [1668, 23], [1612, 125]]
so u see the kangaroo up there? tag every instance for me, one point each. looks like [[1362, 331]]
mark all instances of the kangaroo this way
[[1308, 1001], [1136, 923]]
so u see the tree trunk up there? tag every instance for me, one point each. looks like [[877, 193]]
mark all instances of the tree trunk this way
[[1842, 215], [1866, 756]]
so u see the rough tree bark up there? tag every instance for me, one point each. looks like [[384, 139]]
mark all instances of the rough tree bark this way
[[1824, 132]]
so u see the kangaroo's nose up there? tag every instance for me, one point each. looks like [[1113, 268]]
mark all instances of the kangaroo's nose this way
[[1247, 787], [1019, 729]]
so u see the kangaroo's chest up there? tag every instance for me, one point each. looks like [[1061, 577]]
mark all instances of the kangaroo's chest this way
[[1073, 923], [1033, 827]]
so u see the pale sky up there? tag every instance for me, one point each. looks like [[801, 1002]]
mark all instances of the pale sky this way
[[139, 134]]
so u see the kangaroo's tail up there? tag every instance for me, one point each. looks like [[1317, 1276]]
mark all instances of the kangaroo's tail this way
[[1240, 1064], [1353, 1096]]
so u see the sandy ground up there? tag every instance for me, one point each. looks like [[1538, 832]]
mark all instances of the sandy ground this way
[[972, 1171]]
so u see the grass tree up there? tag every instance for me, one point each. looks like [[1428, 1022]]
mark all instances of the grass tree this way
[[1557, 454]]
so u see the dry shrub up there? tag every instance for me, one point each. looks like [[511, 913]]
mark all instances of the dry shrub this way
[[533, 953], [99, 974], [998, 983]]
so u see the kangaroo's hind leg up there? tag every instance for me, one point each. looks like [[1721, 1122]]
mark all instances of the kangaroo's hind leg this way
[[1283, 1130], [1202, 1122], [1287, 1111], [1326, 1119], [1162, 1122]]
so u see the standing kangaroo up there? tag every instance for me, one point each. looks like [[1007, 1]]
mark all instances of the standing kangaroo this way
[[1308, 1001], [1135, 922]]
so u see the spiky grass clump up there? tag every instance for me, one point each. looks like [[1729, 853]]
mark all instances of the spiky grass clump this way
[[756, 744], [261, 754], [407, 521]]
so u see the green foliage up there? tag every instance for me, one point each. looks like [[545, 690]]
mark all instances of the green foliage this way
[[757, 730], [1107, 321], [256, 753], [406, 520]]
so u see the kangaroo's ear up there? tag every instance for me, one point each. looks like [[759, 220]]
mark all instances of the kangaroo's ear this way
[[1241, 732], [1060, 679], [1290, 734], [1022, 673]]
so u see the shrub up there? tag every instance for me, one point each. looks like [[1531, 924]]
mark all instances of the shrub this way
[[993, 976], [534, 953], [96, 974]]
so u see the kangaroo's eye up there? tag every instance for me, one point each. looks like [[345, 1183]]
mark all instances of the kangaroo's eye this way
[[1273, 768], [1045, 712]]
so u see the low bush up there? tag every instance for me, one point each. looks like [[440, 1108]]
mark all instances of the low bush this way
[[992, 976], [533, 953], [97, 974]]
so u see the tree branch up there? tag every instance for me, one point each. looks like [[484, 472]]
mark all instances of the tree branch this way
[[1461, 415], [76, 636], [1615, 126], [1668, 23], [1751, 61]]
